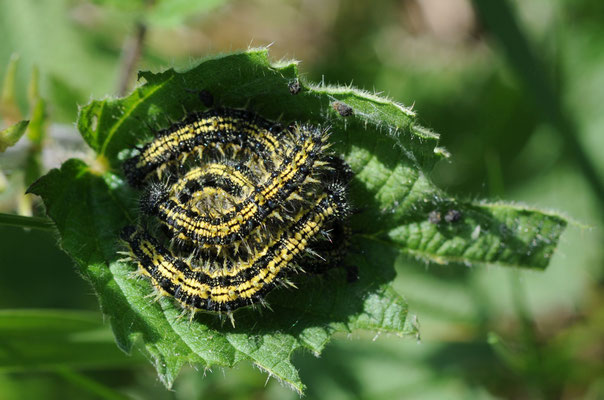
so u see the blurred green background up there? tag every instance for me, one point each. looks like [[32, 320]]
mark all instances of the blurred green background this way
[[487, 331]]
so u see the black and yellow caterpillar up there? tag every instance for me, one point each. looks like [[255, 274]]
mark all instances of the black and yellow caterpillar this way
[[242, 203]]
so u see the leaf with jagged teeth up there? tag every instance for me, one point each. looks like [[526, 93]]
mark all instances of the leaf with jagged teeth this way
[[391, 156]]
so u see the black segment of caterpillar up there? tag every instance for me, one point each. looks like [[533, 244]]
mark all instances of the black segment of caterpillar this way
[[243, 204], [220, 176]]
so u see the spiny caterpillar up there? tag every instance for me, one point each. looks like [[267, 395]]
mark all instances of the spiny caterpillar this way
[[241, 203]]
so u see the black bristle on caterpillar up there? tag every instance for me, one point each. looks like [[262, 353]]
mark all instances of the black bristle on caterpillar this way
[[243, 203], [154, 194]]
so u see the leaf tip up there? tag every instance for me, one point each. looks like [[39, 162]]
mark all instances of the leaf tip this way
[[295, 385]]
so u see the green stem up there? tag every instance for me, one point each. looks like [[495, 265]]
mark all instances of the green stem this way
[[90, 385], [131, 55], [498, 16], [533, 354], [26, 222]]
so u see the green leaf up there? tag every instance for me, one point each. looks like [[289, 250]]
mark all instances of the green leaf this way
[[11, 135], [9, 109], [391, 192], [494, 233], [304, 318], [37, 106], [47, 339]]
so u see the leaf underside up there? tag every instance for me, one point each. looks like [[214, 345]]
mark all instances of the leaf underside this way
[[398, 209]]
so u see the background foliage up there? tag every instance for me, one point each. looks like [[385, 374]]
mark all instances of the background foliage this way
[[488, 331]]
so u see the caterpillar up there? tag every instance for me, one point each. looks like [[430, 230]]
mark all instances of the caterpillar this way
[[241, 205], [239, 220], [201, 131]]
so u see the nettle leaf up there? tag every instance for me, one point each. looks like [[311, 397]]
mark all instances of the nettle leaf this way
[[398, 210]]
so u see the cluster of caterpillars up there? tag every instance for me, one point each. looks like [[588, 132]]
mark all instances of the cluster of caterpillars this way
[[236, 204]]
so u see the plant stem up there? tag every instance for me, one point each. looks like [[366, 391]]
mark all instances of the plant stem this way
[[498, 16], [26, 222], [132, 52], [533, 355], [88, 384]]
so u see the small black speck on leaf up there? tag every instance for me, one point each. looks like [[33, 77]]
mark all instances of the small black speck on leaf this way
[[452, 216], [343, 109], [294, 86], [434, 217]]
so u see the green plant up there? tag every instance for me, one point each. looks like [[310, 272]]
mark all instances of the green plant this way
[[399, 211]]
